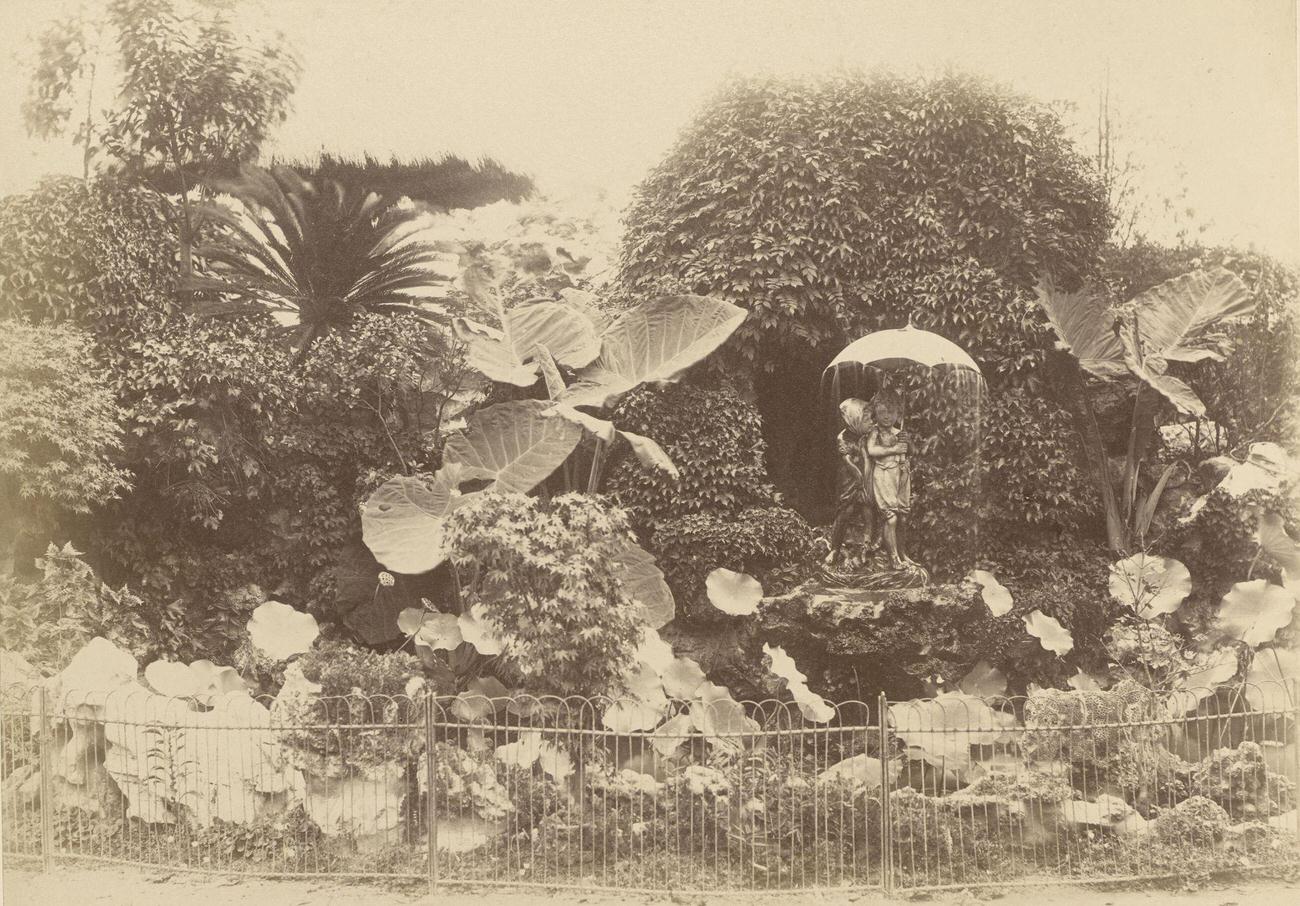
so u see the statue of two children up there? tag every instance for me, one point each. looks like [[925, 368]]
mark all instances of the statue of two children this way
[[875, 478]]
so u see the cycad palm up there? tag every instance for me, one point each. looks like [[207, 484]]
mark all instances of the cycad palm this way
[[317, 251]]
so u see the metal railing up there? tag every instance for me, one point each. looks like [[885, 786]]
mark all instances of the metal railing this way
[[578, 793]]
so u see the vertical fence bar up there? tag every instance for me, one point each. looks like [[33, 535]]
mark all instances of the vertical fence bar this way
[[886, 821], [431, 803], [47, 784], [1295, 742]]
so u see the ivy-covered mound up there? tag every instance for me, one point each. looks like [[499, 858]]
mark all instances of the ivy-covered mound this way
[[832, 208]]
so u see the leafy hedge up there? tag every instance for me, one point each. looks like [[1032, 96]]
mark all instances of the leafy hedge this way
[[716, 441], [833, 208], [773, 544]]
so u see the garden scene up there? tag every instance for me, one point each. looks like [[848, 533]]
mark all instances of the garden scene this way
[[869, 502]]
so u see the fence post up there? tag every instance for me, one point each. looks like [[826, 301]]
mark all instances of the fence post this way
[[886, 819], [47, 785], [431, 801], [1295, 742]]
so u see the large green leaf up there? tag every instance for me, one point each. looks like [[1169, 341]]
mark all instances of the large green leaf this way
[[1085, 327], [645, 584], [509, 355], [733, 593], [1049, 632], [1271, 670], [1253, 612], [1278, 545], [513, 445], [655, 341], [1176, 320], [1150, 585], [403, 522], [369, 607]]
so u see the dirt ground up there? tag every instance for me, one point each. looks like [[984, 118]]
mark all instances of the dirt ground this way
[[123, 887]]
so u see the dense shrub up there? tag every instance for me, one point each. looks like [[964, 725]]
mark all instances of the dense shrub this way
[[443, 183], [1044, 488], [772, 544], [60, 431], [716, 441], [101, 252], [833, 208], [544, 573], [246, 469], [49, 620], [358, 687]]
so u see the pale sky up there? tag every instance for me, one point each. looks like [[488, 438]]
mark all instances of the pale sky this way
[[592, 94]]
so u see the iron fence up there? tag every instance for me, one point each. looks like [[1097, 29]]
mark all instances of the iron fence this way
[[955, 791]]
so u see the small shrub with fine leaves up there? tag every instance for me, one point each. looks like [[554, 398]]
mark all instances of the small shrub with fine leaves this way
[[545, 572]]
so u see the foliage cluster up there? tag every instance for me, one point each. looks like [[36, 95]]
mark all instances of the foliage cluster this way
[[545, 574], [359, 687], [51, 619], [772, 544], [444, 183], [249, 469], [713, 437], [829, 209], [99, 251], [1253, 397], [60, 430]]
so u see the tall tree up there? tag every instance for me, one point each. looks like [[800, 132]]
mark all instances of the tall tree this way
[[195, 94]]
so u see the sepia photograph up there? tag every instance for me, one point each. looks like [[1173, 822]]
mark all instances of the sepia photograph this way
[[627, 453]]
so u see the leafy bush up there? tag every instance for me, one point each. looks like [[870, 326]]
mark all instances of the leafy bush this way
[[342, 669], [51, 619], [1043, 488], [101, 252], [358, 686], [545, 574], [60, 431], [962, 195], [772, 544], [713, 437]]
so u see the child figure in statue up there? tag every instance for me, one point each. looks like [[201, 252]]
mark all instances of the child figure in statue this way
[[855, 500], [891, 477]]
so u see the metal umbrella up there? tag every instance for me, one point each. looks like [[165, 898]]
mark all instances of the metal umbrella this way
[[892, 349]]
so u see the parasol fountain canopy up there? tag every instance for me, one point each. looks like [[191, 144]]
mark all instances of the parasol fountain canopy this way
[[891, 349]]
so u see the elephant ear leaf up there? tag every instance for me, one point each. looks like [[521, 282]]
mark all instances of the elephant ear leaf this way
[[1085, 327], [656, 341], [1253, 611], [1179, 320], [512, 445], [403, 522], [645, 583], [510, 355]]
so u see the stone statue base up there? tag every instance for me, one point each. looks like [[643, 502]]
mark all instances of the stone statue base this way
[[874, 571]]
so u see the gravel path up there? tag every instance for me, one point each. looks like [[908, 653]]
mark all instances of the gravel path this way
[[123, 887]]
